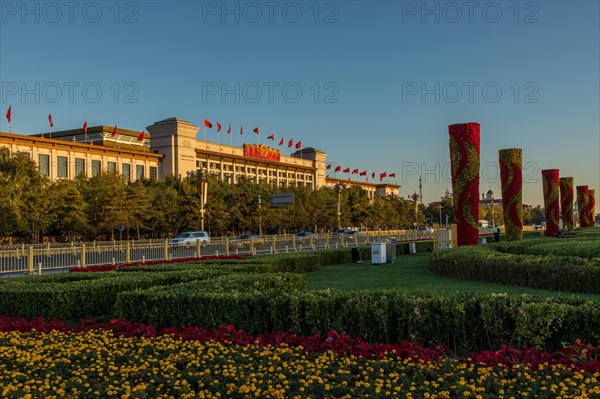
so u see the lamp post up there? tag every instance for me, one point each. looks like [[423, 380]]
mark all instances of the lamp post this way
[[338, 190], [203, 195]]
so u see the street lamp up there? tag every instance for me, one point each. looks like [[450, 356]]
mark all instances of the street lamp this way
[[338, 190], [203, 195]]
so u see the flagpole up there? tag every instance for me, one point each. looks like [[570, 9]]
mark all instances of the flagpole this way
[[204, 131]]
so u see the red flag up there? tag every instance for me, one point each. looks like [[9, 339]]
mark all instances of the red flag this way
[[218, 127], [393, 175], [328, 166], [363, 173], [9, 114], [382, 175], [281, 141], [140, 137], [355, 172], [85, 127], [373, 175], [338, 168], [271, 137], [255, 130], [347, 170], [290, 143], [299, 144], [50, 120], [114, 132], [207, 123], [241, 129], [229, 130]]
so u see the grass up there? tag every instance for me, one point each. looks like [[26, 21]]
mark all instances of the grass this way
[[410, 273]]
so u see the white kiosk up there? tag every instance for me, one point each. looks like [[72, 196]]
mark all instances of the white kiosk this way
[[378, 253]]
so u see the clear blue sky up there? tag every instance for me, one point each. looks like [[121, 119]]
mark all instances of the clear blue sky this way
[[361, 68]]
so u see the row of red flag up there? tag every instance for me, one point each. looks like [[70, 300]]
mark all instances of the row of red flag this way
[[256, 130], [140, 136], [357, 172]]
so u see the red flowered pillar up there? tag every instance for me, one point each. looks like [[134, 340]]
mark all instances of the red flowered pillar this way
[[464, 159], [583, 199], [551, 184], [511, 175], [566, 202], [592, 207]]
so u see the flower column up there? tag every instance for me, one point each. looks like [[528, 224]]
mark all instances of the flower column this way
[[583, 200], [511, 174], [464, 158], [592, 208], [566, 202], [551, 183]]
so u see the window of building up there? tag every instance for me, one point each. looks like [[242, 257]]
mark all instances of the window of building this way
[[139, 172], [62, 164], [79, 167], [44, 164], [96, 168], [24, 154], [111, 167], [126, 172], [153, 173]]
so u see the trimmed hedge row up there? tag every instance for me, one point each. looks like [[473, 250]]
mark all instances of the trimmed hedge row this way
[[528, 263], [86, 297], [463, 322]]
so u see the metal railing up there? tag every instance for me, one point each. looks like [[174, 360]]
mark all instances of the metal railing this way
[[34, 259]]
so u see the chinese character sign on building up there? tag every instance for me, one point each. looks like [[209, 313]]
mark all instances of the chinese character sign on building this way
[[261, 151]]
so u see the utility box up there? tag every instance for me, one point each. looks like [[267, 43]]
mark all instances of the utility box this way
[[482, 241], [390, 250], [378, 253]]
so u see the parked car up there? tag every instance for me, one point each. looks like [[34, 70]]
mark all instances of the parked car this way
[[189, 238], [353, 232], [341, 231], [425, 228], [244, 240], [304, 235]]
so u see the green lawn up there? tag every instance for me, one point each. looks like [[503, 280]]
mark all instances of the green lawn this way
[[410, 273]]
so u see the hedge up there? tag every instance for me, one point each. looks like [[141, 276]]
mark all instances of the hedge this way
[[83, 298], [540, 264], [463, 322]]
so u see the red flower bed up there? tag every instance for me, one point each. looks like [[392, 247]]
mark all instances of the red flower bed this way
[[551, 184], [464, 160], [579, 354], [108, 268]]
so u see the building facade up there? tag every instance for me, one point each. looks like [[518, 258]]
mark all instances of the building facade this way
[[68, 155], [171, 148]]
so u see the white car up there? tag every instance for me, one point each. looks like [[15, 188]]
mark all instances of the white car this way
[[189, 238]]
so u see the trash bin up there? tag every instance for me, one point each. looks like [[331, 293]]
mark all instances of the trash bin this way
[[390, 251], [356, 257], [377, 253], [482, 241], [412, 248]]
